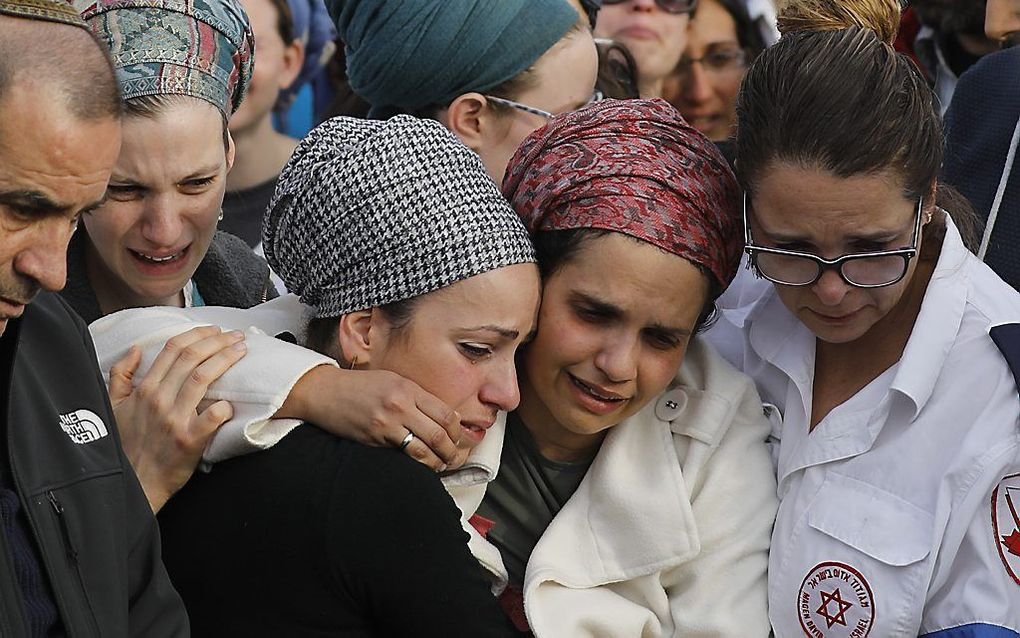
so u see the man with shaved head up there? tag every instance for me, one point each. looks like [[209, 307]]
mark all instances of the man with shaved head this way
[[79, 548]]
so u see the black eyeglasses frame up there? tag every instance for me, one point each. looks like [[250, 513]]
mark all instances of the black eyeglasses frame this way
[[831, 264]]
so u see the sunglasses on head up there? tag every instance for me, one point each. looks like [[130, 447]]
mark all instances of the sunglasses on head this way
[[669, 6]]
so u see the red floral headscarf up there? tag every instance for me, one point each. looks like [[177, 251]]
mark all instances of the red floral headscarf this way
[[635, 167]]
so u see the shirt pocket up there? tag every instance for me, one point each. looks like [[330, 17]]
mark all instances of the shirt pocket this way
[[867, 562], [871, 520]]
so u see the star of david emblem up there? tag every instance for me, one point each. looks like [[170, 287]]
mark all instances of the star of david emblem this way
[[838, 618]]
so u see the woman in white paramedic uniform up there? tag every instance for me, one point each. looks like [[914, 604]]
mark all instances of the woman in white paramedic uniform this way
[[885, 346]]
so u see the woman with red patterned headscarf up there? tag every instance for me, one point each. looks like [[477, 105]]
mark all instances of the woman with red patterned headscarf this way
[[635, 494]]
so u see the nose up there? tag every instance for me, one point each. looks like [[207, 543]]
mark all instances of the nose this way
[[643, 5], [500, 388], [161, 221], [1002, 18], [44, 259], [697, 88], [617, 359], [830, 288]]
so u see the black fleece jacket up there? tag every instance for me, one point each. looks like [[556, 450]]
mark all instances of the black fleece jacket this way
[[91, 524]]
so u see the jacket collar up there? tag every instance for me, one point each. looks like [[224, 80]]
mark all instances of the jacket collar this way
[[483, 462], [78, 291], [632, 514]]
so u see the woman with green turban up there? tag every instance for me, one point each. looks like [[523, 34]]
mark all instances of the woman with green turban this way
[[491, 72]]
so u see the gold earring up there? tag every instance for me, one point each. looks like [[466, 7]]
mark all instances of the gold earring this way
[[354, 362]]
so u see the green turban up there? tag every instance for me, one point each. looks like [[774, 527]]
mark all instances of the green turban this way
[[403, 55]]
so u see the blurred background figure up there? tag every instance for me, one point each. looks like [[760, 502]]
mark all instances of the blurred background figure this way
[[655, 32], [303, 105], [722, 41], [1002, 21], [261, 150], [982, 134], [945, 37], [282, 29], [617, 77], [763, 14]]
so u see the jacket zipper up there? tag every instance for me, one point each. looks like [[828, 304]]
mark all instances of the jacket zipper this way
[[72, 557], [72, 553]]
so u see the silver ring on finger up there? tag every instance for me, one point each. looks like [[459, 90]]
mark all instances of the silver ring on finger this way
[[406, 441]]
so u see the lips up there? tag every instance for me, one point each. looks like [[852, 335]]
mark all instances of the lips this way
[[11, 308], [638, 33], [160, 263], [475, 430], [157, 258], [595, 398], [836, 319], [703, 121]]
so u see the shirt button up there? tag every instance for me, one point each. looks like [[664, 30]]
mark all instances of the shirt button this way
[[670, 405]]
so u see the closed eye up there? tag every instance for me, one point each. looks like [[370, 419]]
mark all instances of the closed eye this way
[[475, 352], [122, 192], [661, 340], [199, 183], [592, 315]]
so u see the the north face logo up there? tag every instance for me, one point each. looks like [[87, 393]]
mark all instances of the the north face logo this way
[[83, 426]]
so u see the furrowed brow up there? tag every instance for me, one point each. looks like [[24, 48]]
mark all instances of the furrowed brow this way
[[598, 305], [34, 202]]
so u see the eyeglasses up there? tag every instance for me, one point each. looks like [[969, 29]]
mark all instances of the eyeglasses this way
[[595, 97], [863, 270], [718, 61], [669, 6]]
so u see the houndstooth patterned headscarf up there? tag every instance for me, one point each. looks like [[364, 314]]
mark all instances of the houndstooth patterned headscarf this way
[[367, 213]]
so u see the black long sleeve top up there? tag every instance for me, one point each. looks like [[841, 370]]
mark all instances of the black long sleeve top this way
[[320, 536]]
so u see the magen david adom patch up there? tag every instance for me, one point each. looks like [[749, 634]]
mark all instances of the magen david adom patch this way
[[836, 601]]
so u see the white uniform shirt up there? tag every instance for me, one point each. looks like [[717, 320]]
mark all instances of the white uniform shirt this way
[[899, 513]]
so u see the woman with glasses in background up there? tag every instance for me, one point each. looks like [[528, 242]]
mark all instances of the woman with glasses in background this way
[[654, 31], [721, 42], [876, 335], [490, 72]]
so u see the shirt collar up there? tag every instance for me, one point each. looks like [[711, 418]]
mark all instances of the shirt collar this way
[[937, 323]]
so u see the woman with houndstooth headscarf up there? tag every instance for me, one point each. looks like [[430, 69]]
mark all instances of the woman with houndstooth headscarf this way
[[407, 259]]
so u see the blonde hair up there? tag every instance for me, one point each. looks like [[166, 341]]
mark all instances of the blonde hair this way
[[880, 16]]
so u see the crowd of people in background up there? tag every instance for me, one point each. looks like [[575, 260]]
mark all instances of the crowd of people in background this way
[[555, 318]]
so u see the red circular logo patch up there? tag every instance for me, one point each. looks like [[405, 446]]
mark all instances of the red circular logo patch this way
[[1006, 523], [835, 601]]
